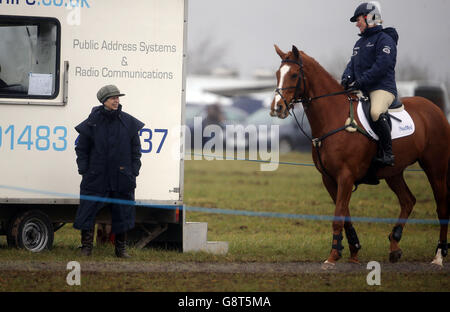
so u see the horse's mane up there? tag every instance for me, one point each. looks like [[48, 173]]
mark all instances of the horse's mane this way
[[317, 68]]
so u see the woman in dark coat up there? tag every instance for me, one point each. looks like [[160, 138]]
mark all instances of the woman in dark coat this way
[[108, 157]]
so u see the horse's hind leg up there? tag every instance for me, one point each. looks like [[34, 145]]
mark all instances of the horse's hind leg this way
[[438, 173], [407, 200]]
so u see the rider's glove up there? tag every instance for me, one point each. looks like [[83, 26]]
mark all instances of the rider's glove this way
[[356, 85], [345, 82]]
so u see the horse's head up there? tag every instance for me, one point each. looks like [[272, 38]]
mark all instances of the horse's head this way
[[290, 82]]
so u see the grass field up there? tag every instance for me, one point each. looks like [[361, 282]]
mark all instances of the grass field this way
[[241, 185]]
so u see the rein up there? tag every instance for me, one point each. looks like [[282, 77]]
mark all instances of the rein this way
[[316, 142]]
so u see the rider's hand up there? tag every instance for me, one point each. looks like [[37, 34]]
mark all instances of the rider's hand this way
[[356, 85], [345, 82]]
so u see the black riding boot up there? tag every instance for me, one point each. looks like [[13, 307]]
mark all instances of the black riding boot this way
[[120, 245], [87, 241], [385, 144]]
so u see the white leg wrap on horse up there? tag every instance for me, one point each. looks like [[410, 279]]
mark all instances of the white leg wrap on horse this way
[[438, 259]]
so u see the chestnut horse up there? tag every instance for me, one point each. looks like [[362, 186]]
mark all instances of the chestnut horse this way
[[344, 157]]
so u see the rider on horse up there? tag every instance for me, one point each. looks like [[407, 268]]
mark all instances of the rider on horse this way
[[372, 70]]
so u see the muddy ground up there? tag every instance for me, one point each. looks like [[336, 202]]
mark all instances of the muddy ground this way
[[197, 267]]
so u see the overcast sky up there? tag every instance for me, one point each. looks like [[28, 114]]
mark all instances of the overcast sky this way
[[321, 28]]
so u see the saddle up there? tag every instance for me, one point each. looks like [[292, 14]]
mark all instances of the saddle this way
[[370, 177], [366, 105]]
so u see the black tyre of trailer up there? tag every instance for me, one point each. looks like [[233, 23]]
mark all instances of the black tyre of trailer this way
[[31, 230]]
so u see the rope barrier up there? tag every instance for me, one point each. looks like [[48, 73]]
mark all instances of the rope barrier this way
[[227, 211]]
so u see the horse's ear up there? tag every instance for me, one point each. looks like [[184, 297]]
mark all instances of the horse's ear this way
[[295, 51], [279, 52]]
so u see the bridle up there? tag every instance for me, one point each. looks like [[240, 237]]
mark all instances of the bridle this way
[[301, 78], [302, 98], [306, 101]]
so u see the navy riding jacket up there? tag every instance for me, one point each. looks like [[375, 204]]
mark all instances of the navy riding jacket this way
[[373, 61], [108, 151]]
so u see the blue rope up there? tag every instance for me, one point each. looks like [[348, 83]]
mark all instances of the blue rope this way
[[227, 211]]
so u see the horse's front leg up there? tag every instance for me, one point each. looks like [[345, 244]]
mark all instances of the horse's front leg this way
[[341, 215], [350, 232], [353, 241]]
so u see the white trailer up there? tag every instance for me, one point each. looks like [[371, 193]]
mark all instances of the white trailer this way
[[54, 56]]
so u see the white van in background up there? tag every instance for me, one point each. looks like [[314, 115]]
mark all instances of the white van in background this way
[[434, 91]]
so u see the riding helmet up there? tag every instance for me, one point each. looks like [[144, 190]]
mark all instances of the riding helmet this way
[[370, 11]]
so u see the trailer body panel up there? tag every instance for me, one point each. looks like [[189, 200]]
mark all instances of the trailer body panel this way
[[67, 50]]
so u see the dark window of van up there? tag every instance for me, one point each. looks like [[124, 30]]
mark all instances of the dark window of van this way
[[29, 57], [434, 94]]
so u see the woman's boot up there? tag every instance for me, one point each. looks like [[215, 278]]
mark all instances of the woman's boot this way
[[120, 245], [385, 144], [87, 241]]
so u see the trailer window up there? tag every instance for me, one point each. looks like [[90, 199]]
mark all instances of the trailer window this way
[[29, 57]]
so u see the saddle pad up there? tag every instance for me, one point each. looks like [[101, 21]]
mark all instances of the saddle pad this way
[[399, 129]]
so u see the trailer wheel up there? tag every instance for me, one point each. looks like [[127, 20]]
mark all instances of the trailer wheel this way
[[31, 230]]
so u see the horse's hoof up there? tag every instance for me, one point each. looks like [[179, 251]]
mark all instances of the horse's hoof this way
[[438, 260], [328, 265], [395, 255], [437, 263]]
